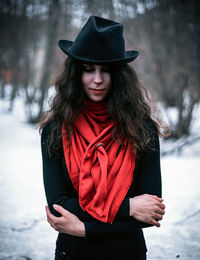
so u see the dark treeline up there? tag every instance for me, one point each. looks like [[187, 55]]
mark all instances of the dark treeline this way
[[167, 34]]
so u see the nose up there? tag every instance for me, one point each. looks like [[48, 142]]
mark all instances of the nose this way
[[98, 79]]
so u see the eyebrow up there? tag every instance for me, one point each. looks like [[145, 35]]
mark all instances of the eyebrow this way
[[91, 65], [87, 64]]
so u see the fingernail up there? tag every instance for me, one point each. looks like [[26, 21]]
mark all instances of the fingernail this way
[[55, 206]]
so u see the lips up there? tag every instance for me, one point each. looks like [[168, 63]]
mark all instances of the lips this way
[[97, 91]]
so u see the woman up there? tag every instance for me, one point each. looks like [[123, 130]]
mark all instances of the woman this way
[[100, 148]]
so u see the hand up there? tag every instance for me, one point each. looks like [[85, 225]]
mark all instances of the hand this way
[[68, 223], [147, 208]]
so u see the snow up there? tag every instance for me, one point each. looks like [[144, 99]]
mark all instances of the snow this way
[[179, 234], [24, 231]]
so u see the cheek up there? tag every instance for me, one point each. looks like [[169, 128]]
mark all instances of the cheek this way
[[108, 82], [85, 81]]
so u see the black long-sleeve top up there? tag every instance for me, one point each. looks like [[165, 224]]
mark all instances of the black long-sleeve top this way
[[125, 231]]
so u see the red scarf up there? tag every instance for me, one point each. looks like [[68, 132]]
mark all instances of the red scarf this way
[[100, 169]]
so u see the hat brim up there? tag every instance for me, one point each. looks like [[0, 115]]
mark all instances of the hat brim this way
[[66, 45]]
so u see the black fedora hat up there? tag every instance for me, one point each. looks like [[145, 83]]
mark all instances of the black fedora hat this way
[[99, 41]]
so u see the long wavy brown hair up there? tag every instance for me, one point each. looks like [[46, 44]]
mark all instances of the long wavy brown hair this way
[[128, 103]]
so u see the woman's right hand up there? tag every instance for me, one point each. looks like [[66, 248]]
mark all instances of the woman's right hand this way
[[147, 208]]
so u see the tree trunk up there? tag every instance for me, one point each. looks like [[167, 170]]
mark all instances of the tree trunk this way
[[52, 30], [2, 95]]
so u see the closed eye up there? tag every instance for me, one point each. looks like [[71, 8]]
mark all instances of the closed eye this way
[[88, 68], [105, 69]]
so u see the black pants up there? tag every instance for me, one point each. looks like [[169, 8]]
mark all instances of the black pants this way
[[61, 255]]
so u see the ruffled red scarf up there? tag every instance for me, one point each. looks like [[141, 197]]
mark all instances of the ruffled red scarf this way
[[100, 169]]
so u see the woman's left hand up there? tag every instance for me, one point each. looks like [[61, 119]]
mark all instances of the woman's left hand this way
[[68, 223]]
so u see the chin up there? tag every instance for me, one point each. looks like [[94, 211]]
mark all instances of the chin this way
[[97, 99]]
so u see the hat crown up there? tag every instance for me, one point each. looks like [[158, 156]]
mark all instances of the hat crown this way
[[100, 38], [99, 41]]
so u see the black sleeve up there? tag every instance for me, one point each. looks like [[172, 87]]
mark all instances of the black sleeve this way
[[58, 187], [149, 172], [117, 227]]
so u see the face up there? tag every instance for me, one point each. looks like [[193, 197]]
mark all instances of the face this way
[[96, 81]]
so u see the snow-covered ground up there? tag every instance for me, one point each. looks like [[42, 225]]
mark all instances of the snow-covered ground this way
[[24, 232]]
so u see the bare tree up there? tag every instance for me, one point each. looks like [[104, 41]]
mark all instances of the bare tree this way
[[19, 43], [52, 30], [100, 8], [11, 50], [167, 34]]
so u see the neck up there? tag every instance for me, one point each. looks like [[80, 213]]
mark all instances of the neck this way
[[89, 102]]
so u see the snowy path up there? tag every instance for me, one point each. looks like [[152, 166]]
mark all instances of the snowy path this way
[[24, 232]]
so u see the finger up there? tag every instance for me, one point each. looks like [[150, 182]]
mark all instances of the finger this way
[[50, 222], [50, 216], [62, 211], [162, 206], [159, 205], [157, 198], [48, 219], [53, 225], [47, 211], [159, 211], [158, 217], [155, 222]]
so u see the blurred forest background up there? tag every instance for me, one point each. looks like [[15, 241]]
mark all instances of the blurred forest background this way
[[166, 33]]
